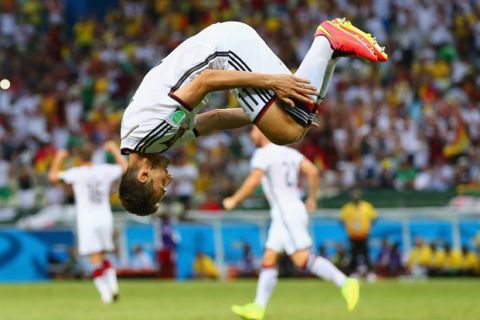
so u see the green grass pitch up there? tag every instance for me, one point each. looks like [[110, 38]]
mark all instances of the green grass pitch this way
[[196, 300]]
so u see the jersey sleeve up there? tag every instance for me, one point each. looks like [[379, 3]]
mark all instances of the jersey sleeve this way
[[259, 161], [70, 176]]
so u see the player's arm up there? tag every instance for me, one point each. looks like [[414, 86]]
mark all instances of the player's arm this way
[[57, 163], [215, 120], [220, 119], [286, 86], [247, 188], [112, 147], [308, 169]]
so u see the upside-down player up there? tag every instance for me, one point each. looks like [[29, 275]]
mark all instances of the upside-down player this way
[[229, 55], [91, 186], [277, 168]]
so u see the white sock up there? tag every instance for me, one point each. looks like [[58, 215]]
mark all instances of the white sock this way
[[110, 276], [266, 284], [103, 288], [317, 66], [323, 268], [326, 79]]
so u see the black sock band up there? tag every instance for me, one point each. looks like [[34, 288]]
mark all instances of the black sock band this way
[[301, 113]]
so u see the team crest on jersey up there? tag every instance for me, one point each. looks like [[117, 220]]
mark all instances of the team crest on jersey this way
[[177, 117]]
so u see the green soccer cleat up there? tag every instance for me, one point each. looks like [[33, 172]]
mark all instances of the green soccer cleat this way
[[351, 292], [250, 311]]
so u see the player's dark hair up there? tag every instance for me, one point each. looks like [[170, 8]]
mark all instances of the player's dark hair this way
[[85, 152], [137, 197]]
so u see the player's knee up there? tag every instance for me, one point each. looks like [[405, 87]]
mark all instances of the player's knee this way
[[300, 263], [270, 258], [300, 258]]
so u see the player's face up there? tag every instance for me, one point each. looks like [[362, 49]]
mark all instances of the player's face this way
[[160, 176]]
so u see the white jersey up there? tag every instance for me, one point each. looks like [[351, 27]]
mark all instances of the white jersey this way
[[281, 166], [156, 119], [91, 186]]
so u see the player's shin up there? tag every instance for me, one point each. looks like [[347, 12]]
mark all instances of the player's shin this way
[[326, 79], [324, 269], [317, 66], [101, 283], [110, 276], [267, 282]]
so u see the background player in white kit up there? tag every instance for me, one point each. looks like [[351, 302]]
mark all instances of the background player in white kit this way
[[277, 168], [229, 55], [91, 186]]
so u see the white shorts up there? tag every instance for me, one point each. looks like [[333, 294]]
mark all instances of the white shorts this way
[[246, 51], [289, 234], [95, 239]]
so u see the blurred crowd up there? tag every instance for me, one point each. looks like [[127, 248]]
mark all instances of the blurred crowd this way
[[423, 259], [437, 259], [411, 123]]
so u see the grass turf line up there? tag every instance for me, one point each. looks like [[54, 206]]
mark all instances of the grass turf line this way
[[197, 300]]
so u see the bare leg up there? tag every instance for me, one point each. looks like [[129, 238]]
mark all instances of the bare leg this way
[[317, 67], [96, 258], [318, 266], [279, 127]]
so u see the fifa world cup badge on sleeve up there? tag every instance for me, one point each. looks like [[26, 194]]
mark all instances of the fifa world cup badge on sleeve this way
[[177, 117]]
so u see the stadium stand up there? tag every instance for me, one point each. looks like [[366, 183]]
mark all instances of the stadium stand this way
[[410, 124]]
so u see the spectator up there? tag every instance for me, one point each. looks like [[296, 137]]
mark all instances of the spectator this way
[[322, 251], [166, 244], [470, 263], [341, 259], [396, 266], [357, 217], [66, 268], [26, 192], [438, 258], [141, 260], [184, 174], [382, 264], [204, 267], [419, 259], [389, 261], [454, 261], [404, 125], [246, 267], [211, 204]]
